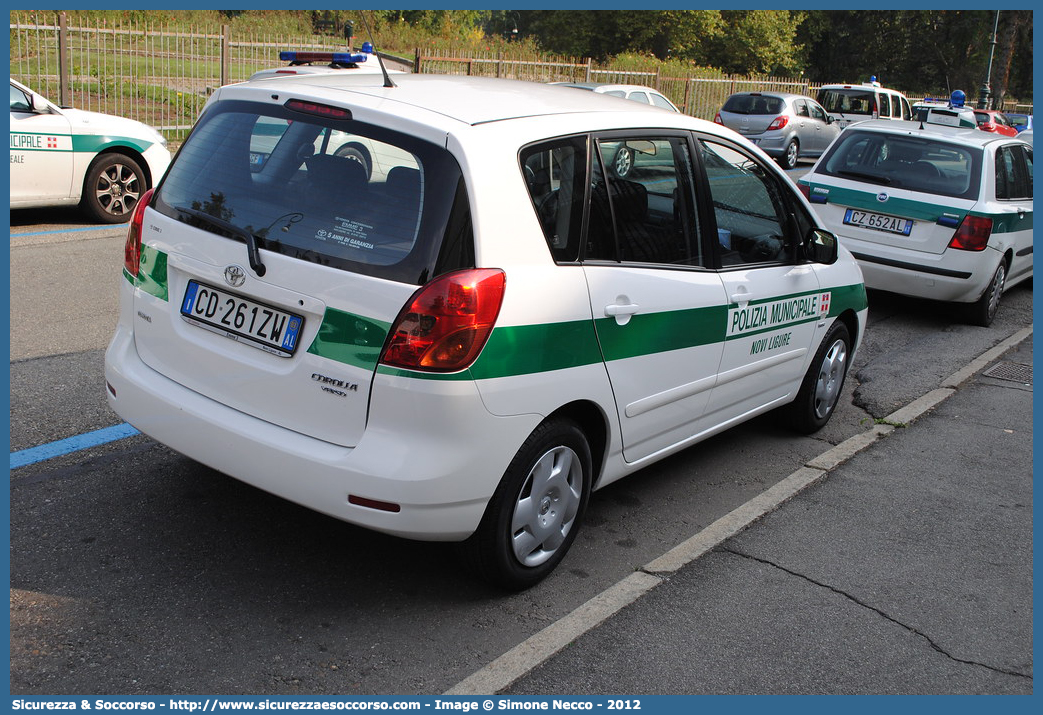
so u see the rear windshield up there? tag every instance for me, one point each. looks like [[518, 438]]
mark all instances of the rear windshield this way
[[848, 101], [331, 191], [752, 104], [918, 163]]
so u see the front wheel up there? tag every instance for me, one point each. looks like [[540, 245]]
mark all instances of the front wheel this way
[[113, 186], [820, 390], [535, 513], [983, 311]]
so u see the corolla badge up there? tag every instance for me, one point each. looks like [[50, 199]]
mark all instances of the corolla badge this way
[[235, 275], [882, 197]]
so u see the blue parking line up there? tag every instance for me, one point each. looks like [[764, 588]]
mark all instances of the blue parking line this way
[[71, 444], [64, 230]]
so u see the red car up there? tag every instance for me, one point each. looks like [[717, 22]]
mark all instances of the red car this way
[[989, 120]]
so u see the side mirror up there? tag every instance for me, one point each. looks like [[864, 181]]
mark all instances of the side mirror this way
[[830, 119], [820, 246]]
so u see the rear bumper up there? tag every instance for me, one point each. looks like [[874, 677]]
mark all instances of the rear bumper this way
[[440, 468], [773, 144], [952, 276]]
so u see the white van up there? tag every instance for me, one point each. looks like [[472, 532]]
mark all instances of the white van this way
[[850, 103]]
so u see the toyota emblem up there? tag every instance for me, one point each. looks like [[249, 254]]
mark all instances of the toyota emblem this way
[[235, 275]]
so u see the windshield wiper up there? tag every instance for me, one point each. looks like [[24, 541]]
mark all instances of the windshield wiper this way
[[875, 178], [252, 251]]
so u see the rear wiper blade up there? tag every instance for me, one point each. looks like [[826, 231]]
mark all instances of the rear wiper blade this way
[[252, 251], [875, 178]]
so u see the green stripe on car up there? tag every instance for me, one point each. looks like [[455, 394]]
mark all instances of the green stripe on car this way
[[350, 339], [528, 349], [917, 210], [91, 144], [152, 273]]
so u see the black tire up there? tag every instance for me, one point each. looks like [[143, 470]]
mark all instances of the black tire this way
[[823, 382], [355, 154], [112, 188], [525, 534], [983, 311], [790, 154]]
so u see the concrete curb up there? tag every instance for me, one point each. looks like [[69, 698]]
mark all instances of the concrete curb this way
[[505, 670], [979, 363], [528, 654]]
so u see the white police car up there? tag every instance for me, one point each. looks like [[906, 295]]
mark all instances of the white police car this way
[[62, 156], [463, 350], [935, 209]]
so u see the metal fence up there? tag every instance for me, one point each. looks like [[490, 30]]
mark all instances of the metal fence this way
[[162, 76], [156, 75], [698, 96]]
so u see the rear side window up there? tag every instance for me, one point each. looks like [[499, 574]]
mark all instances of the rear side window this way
[[1014, 173], [885, 105], [555, 174], [321, 189], [642, 202], [638, 196], [917, 163]]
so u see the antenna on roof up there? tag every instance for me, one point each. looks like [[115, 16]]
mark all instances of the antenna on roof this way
[[380, 61]]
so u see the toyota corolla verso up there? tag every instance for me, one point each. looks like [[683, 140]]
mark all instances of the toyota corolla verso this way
[[465, 346]]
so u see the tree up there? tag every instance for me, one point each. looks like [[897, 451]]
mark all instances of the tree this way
[[1015, 39], [758, 41], [916, 51]]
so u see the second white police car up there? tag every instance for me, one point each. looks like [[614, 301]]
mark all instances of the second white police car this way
[[935, 209], [63, 157], [462, 348]]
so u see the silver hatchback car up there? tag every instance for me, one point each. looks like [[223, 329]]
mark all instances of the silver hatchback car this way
[[786, 126]]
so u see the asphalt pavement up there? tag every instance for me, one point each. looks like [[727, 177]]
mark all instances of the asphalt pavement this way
[[884, 566]]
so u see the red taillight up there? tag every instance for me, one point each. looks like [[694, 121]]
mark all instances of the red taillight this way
[[779, 123], [447, 322], [132, 249], [805, 189], [973, 233], [717, 119]]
